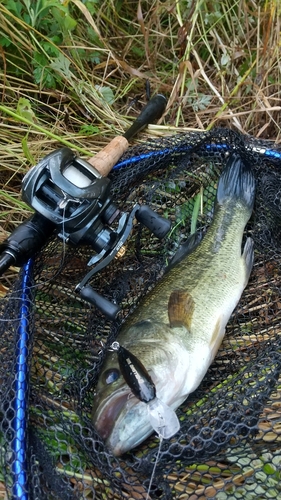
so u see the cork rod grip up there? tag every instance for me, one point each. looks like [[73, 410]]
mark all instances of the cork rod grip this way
[[105, 159]]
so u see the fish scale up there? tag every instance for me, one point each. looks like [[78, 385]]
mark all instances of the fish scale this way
[[200, 268], [178, 327]]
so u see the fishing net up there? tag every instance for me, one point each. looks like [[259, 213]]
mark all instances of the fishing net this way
[[228, 445]]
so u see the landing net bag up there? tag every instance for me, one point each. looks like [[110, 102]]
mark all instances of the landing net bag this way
[[228, 445]]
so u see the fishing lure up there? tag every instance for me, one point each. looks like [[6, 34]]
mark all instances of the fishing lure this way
[[163, 419]]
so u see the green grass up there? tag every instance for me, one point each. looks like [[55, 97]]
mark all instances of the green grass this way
[[78, 66]]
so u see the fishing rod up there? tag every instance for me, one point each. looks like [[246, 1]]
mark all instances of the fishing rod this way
[[71, 197]]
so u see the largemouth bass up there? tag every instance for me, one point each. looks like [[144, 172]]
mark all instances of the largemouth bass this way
[[178, 327]]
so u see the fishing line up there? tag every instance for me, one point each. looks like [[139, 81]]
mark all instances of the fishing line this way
[[63, 234], [31, 287], [16, 320], [154, 467]]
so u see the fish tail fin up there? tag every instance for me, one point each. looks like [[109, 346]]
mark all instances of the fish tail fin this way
[[237, 182]]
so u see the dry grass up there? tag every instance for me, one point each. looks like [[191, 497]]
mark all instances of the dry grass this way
[[217, 63]]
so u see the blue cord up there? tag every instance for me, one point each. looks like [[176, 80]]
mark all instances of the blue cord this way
[[151, 154], [269, 153], [19, 447], [272, 154]]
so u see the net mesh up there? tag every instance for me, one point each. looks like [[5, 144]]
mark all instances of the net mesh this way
[[228, 445]]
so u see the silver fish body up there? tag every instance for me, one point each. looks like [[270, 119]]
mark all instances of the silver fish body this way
[[178, 327]]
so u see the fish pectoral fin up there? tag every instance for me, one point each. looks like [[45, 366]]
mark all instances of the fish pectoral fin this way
[[180, 308], [248, 258]]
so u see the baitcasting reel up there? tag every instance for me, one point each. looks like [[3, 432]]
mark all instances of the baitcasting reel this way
[[71, 197]]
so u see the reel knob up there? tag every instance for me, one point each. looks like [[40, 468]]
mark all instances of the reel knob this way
[[158, 225], [104, 305]]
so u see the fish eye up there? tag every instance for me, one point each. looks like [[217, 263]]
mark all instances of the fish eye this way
[[111, 376]]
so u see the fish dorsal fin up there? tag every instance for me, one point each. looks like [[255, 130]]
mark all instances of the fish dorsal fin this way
[[180, 308], [186, 248]]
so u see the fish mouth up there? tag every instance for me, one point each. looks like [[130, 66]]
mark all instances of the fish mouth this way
[[107, 413], [122, 421]]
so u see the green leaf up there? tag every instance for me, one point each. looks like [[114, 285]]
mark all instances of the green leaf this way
[[106, 93], [4, 41], [44, 77], [92, 6], [195, 212], [95, 57], [69, 23], [269, 469], [62, 65], [15, 7], [62, 16], [89, 130], [25, 110], [225, 59], [50, 49]]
